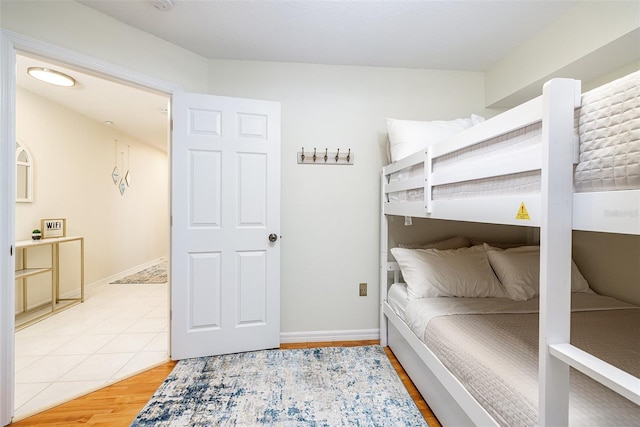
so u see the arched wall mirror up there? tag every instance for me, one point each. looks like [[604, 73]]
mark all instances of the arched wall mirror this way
[[24, 174]]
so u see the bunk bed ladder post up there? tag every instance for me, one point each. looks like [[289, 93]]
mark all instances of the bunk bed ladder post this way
[[384, 275], [559, 101], [428, 181]]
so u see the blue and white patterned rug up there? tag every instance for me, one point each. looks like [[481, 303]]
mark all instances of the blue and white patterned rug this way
[[331, 386]]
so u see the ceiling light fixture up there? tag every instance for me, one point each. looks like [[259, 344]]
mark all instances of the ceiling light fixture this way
[[51, 76]]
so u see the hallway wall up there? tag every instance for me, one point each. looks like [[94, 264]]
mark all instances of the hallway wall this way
[[73, 158]]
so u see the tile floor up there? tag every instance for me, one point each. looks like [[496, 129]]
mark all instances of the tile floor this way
[[120, 330]]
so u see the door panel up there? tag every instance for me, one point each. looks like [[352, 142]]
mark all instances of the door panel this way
[[252, 287], [205, 181], [205, 286], [225, 272], [252, 189]]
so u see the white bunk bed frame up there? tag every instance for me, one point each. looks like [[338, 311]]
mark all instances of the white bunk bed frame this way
[[556, 210]]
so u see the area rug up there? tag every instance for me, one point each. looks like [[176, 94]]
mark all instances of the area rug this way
[[154, 274], [331, 386]]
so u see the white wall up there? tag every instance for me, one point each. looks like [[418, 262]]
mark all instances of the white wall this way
[[592, 39], [331, 214], [73, 158]]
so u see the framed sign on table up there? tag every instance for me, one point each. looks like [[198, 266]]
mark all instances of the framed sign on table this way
[[56, 227]]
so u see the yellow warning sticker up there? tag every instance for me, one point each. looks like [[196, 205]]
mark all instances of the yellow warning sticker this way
[[522, 212]]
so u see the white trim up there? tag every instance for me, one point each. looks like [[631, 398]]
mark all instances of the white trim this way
[[88, 63], [556, 209], [7, 227], [606, 374], [384, 256], [9, 43], [320, 336]]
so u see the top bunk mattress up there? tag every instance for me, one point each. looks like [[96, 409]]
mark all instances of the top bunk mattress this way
[[608, 126], [609, 129]]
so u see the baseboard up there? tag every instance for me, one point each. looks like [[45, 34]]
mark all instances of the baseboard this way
[[319, 336], [126, 273], [114, 277]]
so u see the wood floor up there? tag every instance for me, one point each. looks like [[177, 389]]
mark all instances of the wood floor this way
[[118, 404]]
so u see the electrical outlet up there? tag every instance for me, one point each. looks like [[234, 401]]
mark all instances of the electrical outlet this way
[[363, 289]]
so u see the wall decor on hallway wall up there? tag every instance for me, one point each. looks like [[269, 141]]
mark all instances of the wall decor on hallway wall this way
[[122, 186], [125, 181], [24, 174], [127, 175], [115, 175]]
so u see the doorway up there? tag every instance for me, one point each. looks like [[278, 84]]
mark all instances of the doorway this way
[[121, 329], [253, 127]]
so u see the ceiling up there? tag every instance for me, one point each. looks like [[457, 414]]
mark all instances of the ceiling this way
[[451, 35], [468, 35], [132, 111]]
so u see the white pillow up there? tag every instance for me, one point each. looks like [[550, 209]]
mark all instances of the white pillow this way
[[452, 243], [410, 136], [519, 272], [463, 272]]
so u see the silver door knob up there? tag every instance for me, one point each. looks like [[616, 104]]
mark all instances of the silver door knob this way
[[273, 237]]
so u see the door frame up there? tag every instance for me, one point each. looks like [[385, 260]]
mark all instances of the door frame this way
[[10, 43]]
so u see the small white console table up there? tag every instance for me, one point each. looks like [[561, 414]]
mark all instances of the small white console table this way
[[24, 271]]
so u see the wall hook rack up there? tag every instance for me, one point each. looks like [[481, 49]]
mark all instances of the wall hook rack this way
[[328, 158]]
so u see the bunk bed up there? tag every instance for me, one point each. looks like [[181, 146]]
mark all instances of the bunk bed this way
[[563, 161]]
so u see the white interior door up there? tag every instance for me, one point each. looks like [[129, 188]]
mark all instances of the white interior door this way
[[225, 249]]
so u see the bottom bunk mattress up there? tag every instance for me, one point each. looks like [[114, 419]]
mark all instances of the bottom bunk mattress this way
[[491, 346]]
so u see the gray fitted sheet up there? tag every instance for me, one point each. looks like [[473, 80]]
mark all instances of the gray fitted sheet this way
[[495, 356]]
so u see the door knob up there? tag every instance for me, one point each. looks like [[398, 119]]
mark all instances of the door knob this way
[[273, 237]]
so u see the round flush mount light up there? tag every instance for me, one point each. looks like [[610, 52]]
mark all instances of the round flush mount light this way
[[51, 76]]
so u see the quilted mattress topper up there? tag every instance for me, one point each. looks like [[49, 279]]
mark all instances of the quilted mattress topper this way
[[609, 129]]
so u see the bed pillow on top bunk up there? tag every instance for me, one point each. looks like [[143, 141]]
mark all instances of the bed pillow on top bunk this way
[[409, 136], [463, 272], [519, 272], [452, 243]]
